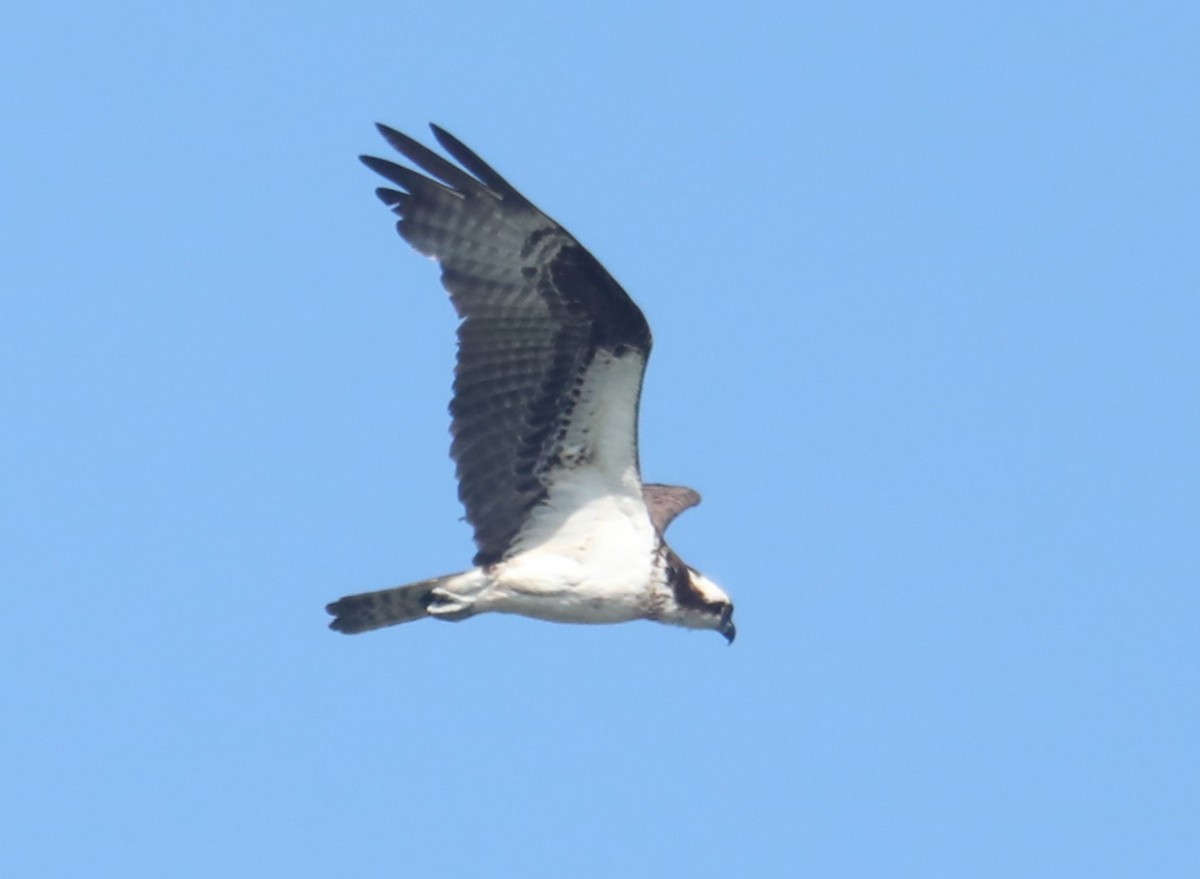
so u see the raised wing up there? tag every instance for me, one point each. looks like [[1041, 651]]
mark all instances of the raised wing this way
[[538, 310], [665, 502]]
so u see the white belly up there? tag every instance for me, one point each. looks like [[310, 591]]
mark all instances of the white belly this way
[[596, 567]]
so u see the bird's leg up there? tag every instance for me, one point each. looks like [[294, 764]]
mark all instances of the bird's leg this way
[[456, 599]]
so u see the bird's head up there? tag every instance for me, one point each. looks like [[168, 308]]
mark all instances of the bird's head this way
[[706, 606]]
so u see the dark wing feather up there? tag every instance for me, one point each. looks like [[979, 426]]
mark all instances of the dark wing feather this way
[[665, 502], [536, 307]]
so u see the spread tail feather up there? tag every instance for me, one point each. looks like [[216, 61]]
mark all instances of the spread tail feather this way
[[387, 607]]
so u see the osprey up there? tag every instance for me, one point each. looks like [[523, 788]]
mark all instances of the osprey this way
[[551, 353]]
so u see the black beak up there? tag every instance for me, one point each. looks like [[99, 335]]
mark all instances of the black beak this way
[[729, 630]]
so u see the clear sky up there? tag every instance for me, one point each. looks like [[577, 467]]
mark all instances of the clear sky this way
[[925, 286]]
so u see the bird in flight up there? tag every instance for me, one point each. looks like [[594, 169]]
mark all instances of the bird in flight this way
[[551, 353]]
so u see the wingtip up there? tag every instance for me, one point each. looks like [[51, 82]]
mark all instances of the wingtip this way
[[398, 140], [467, 157], [448, 141], [384, 168], [390, 197]]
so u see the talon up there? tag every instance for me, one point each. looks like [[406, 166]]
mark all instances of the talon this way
[[446, 605]]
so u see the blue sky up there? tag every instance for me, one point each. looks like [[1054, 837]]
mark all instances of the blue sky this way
[[923, 280]]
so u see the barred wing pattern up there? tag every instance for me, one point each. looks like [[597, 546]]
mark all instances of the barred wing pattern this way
[[536, 309]]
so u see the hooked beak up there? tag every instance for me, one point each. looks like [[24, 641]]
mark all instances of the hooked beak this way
[[729, 630]]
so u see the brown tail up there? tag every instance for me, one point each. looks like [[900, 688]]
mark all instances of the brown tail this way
[[387, 607]]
